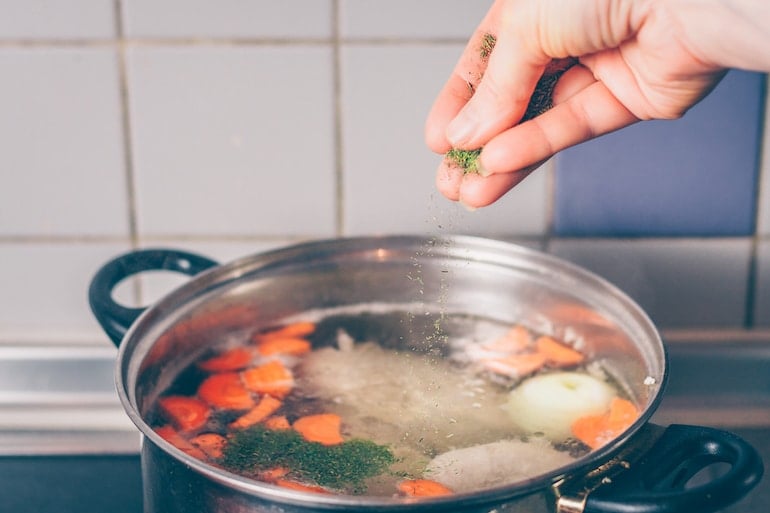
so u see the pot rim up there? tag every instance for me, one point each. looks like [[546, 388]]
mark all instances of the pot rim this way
[[266, 261]]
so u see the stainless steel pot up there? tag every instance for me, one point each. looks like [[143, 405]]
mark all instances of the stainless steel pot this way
[[645, 469]]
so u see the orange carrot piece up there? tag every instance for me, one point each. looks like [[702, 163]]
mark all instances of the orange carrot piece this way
[[210, 443], [423, 488], [515, 340], [597, 430], [264, 408], [277, 422], [225, 390], [166, 432], [169, 434], [300, 487], [516, 365], [590, 430], [297, 329], [323, 428], [558, 353], [622, 414], [185, 413], [272, 378], [231, 360], [280, 345]]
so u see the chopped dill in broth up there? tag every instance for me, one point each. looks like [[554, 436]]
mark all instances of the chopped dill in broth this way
[[392, 404]]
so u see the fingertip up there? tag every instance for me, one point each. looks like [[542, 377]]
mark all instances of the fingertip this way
[[477, 191], [462, 129], [448, 180], [435, 138]]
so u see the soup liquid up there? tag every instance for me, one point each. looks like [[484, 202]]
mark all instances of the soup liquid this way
[[407, 388]]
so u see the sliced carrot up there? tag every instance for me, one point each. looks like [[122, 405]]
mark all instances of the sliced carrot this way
[[597, 430], [225, 390], [590, 430], [515, 340], [300, 487], [423, 488], [283, 345], [172, 436], [297, 329], [272, 378], [231, 360], [264, 408], [516, 365], [558, 353], [277, 422], [323, 428], [166, 432], [185, 413], [210, 443], [622, 414]]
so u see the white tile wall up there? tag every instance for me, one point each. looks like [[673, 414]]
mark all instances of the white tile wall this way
[[62, 161], [247, 133], [235, 141], [420, 19], [677, 282], [44, 293], [389, 173], [55, 19], [228, 18]]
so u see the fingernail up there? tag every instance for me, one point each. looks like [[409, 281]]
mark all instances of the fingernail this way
[[481, 169], [461, 129]]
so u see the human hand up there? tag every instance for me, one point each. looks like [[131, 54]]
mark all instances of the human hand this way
[[638, 60]]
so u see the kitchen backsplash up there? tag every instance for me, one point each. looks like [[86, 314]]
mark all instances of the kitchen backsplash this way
[[234, 126]]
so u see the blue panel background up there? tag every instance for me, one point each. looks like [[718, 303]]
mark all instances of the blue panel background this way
[[696, 176]]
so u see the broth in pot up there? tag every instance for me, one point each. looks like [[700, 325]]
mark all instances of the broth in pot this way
[[376, 401]]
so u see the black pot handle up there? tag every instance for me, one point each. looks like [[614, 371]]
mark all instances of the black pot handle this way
[[657, 482], [115, 318]]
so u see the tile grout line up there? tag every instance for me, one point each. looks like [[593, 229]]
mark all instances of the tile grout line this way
[[120, 40], [126, 125], [186, 237], [339, 190], [128, 156], [218, 237]]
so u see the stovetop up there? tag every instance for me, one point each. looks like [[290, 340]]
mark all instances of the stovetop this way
[[94, 483], [75, 470]]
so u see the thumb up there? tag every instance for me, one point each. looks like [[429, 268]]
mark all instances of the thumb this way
[[501, 96], [530, 34]]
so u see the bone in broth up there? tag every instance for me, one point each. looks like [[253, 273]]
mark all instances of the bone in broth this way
[[392, 404]]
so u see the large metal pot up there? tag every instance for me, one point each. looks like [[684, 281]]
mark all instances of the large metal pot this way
[[646, 469]]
